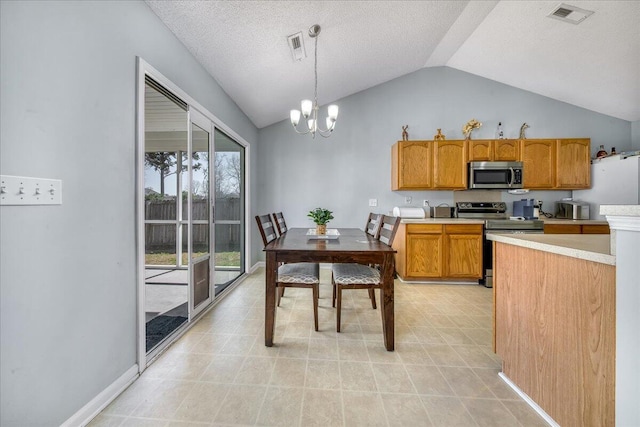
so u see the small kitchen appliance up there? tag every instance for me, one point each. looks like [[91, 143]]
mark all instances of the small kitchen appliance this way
[[495, 175], [526, 208], [572, 209]]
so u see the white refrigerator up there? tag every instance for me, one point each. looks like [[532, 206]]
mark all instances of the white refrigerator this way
[[615, 180]]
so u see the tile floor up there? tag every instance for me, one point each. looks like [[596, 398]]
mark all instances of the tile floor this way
[[443, 372]]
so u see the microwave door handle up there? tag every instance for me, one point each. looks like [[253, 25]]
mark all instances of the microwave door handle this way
[[513, 176]]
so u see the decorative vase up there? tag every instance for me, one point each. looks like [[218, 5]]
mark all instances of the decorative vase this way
[[321, 229]]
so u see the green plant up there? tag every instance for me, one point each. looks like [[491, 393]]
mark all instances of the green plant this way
[[320, 216]]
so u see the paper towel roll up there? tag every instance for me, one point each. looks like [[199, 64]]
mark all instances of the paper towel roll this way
[[408, 212]]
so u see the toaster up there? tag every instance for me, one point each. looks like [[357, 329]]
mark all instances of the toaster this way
[[572, 210]]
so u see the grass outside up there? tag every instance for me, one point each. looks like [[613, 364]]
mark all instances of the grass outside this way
[[223, 259]]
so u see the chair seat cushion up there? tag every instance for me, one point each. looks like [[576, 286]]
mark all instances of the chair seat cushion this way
[[299, 272], [349, 274]]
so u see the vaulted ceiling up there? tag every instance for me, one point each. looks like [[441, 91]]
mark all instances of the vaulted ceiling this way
[[243, 45]]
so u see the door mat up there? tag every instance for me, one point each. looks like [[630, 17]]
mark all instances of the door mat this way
[[160, 327]]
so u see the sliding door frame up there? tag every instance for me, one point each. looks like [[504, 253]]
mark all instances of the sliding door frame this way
[[143, 69]]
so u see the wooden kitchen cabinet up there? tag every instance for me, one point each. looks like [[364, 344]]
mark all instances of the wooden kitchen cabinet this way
[[576, 229], [573, 163], [449, 165], [411, 165], [500, 150], [439, 251], [463, 243], [539, 163]]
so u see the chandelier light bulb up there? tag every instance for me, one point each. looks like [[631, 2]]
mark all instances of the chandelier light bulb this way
[[306, 107], [295, 117], [330, 123], [312, 125], [333, 112]]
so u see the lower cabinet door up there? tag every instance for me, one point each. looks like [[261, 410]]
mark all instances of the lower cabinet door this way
[[424, 255], [464, 255]]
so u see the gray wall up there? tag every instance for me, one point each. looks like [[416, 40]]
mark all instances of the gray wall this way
[[68, 276], [341, 173], [635, 135]]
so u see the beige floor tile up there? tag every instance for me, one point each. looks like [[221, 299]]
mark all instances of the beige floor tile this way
[[104, 420], [489, 413], [143, 422], [242, 404], [404, 410], [497, 386], [524, 413], [255, 370], [357, 376], [444, 355], [238, 345], [289, 372], [454, 336], [446, 411], [413, 354], [323, 374], [353, 350], [164, 401], [296, 348], [320, 348], [202, 403], [222, 369], [475, 357], [379, 354], [209, 344], [427, 335], [322, 408], [465, 383], [363, 409], [281, 407], [392, 378], [133, 396], [428, 380]]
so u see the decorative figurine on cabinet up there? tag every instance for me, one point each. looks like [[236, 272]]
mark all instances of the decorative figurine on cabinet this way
[[469, 127], [522, 129], [439, 136], [405, 134]]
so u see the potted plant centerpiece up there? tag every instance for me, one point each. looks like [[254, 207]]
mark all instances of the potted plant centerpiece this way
[[321, 217]]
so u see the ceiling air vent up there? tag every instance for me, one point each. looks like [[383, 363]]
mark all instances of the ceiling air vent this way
[[296, 44], [567, 13]]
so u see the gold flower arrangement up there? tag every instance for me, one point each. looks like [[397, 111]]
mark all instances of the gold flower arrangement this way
[[469, 127]]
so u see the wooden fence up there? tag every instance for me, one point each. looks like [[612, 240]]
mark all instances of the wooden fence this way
[[162, 237]]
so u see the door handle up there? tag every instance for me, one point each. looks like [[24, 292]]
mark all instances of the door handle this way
[[513, 177]]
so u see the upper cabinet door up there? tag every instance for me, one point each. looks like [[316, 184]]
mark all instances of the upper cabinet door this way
[[539, 163], [449, 164], [573, 169], [411, 165], [480, 150], [506, 150]]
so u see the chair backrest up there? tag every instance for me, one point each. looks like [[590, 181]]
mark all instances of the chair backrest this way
[[373, 224], [267, 231], [278, 218], [388, 229]]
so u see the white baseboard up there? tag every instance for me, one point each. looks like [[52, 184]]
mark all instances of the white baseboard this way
[[528, 400], [106, 396]]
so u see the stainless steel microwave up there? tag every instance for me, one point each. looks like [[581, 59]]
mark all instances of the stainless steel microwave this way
[[495, 175]]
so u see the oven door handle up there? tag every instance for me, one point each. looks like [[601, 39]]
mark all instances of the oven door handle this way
[[513, 177]]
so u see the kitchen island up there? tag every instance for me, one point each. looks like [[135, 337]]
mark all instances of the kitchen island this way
[[555, 323]]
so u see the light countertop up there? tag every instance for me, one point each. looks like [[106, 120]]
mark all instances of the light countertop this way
[[589, 247], [442, 221], [620, 210], [562, 221]]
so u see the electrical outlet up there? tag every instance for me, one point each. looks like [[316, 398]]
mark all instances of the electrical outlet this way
[[373, 202], [425, 203], [407, 200]]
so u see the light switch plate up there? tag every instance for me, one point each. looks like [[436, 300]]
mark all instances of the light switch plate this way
[[373, 202], [22, 190]]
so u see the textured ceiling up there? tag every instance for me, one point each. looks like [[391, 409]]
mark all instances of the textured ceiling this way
[[243, 45]]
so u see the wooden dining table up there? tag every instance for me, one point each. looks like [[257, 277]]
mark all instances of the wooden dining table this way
[[352, 246]]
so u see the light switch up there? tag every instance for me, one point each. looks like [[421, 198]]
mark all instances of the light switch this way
[[21, 190], [373, 202]]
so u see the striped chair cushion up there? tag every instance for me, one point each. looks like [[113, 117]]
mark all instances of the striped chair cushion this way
[[349, 274], [302, 272]]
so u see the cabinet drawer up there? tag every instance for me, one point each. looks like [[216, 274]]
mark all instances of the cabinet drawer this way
[[562, 229], [424, 228], [595, 229], [463, 228]]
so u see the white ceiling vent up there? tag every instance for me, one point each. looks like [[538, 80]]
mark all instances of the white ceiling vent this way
[[567, 13], [296, 44]]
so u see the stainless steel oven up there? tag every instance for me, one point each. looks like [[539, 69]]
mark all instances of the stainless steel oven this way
[[495, 219], [495, 175]]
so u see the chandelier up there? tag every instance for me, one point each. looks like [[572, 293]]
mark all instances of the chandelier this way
[[310, 109]]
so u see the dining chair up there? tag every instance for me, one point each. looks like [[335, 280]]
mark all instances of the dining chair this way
[[359, 276], [373, 224], [281, 225], [294, 275]]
